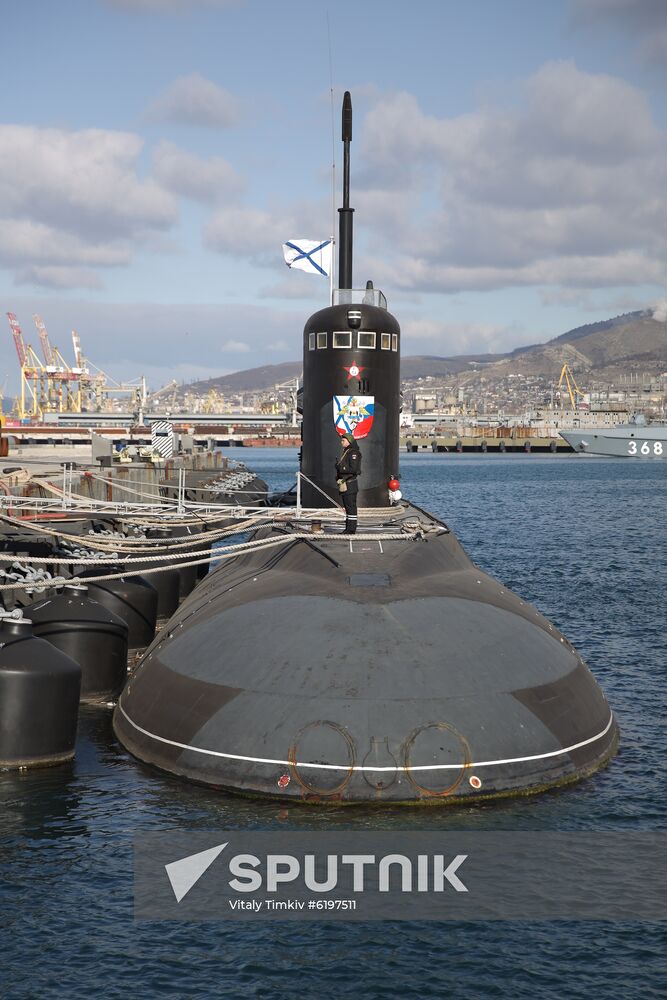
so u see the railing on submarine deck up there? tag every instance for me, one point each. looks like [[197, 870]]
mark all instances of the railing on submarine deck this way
[[300, 476], [358, 296]]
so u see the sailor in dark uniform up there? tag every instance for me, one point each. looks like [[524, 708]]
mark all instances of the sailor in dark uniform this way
[[348, 467]]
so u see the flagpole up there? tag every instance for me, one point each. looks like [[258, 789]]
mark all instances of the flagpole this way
[[331, 270]]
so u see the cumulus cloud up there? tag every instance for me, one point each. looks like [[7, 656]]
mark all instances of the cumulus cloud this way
[[81, 181], [73, 199], [194, 100], [22, 240], [247, 232], [209, 180], [567, 187], [235, 347]]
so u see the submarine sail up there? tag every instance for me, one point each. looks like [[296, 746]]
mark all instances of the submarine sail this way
[[381, 667]]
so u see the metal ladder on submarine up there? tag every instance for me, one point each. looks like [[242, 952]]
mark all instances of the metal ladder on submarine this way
[[381, 667]]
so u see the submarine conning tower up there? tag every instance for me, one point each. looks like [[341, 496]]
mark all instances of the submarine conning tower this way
[[351, 375]]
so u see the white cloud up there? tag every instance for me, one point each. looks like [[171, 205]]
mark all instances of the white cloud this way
[[248, 232], [567, 187], [453, 338], [183, 173], [235, 347], [194, 100], [578, 272], [660, 311], [73, 199], [22, 240], [81, 181]]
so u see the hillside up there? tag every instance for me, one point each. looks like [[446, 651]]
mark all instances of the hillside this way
[[631, 342]]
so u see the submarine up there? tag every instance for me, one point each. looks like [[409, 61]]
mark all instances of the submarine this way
[[377, 667]]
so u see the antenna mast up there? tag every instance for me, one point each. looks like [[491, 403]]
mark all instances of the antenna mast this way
[[345, 213]]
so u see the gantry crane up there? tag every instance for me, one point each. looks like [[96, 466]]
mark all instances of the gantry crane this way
[[93, 396], [53, 386], [64, 386], [33, 400]]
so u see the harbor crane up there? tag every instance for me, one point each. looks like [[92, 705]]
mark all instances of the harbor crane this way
[[33, 400], [568, 380], [64, 382]]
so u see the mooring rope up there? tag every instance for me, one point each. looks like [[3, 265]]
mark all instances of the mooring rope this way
[[213, 555]]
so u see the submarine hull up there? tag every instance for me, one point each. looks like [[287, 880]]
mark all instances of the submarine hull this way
[[365, 670]]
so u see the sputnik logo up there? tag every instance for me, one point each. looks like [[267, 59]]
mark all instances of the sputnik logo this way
[[186, 872], [354, 370]]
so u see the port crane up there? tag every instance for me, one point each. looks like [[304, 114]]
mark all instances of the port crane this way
[[568, 380], [64, 382], [53, 386], [33, 400]]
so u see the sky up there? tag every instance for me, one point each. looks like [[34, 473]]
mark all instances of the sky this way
[[509, 171]]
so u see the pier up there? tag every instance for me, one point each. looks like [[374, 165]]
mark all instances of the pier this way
[[483, 443]]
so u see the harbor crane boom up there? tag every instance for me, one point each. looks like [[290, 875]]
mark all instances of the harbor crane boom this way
[[76, 343], [18, 338], [568, 380], [47, 350]]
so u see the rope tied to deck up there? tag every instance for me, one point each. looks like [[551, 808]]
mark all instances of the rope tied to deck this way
[[228, 552]]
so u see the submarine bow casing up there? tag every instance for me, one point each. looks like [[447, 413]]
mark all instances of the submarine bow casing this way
[[403, 676]]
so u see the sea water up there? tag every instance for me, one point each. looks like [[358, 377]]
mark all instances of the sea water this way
[[581, 538]]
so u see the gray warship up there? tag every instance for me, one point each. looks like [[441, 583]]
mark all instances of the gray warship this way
[[382, 667], [636, 439]]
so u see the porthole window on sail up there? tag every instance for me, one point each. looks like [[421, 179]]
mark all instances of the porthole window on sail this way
[[321, 341], [366, 340], [311, 341], [394, 341], [342, 338], [385, 341]]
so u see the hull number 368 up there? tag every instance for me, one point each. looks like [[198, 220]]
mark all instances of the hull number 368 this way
[[634, 448]]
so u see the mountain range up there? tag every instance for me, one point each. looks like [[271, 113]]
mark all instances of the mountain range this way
[[632, 342]]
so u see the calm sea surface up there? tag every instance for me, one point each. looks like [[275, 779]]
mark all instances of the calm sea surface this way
[[585, 541]]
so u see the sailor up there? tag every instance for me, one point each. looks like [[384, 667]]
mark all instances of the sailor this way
[[348, 467]]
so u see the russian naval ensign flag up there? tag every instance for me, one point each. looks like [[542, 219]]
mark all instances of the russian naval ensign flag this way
[[313, 256]]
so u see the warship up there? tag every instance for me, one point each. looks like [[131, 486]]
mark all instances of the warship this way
[[636, 439], [382, 667]]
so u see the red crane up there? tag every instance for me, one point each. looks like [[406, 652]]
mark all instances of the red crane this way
[[18, 339]]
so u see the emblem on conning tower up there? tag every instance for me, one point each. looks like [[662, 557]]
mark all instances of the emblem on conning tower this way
[[353, 415], [354, 370]]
